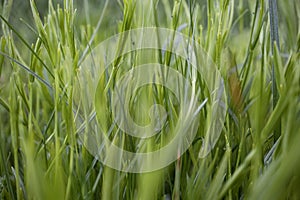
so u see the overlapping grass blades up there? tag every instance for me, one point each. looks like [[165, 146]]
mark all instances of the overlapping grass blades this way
[[43, 157]]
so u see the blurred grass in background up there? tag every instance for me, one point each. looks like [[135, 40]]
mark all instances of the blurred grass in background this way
[[41, 154]]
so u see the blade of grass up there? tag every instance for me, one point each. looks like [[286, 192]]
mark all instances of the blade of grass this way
[[2, 49], [27, 45], [4, 104], [27, 69], [94, 34], [4, 164], [274, 41]]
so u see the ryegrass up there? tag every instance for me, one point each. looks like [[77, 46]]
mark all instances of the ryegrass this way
[[43, 114]]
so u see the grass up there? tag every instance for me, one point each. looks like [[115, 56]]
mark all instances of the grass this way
[[43, 113]]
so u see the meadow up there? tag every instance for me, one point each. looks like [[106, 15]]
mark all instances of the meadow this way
[[92, 93]]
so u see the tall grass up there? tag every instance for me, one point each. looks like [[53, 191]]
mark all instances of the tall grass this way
[[43, 115]]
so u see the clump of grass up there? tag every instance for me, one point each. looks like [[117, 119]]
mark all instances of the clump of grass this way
[[42, 152]]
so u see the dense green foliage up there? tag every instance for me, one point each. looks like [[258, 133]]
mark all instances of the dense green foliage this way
[[257, 154]]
